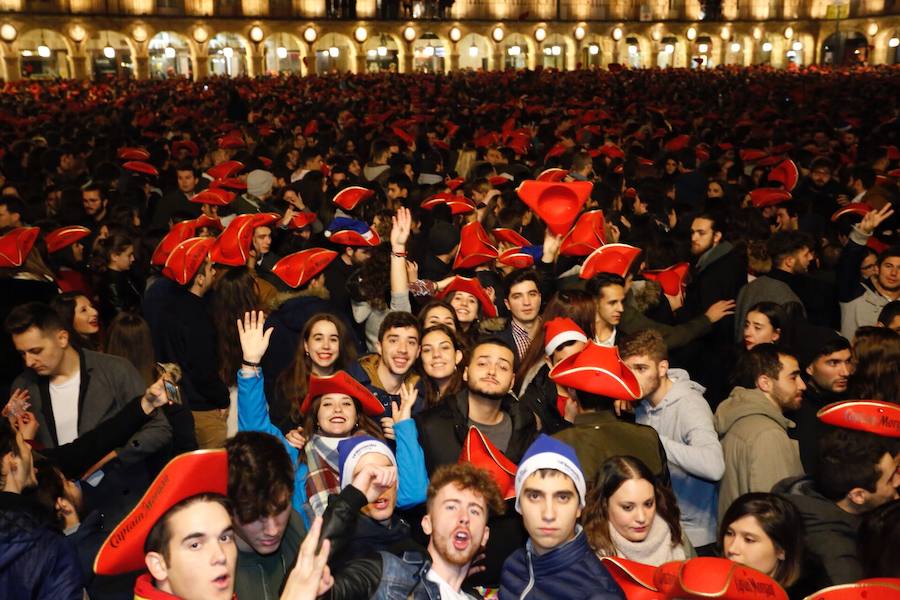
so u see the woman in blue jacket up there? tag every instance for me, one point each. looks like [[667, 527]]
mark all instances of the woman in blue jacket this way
[[338, 407]]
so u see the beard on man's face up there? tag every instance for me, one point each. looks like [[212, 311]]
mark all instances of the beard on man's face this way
[[476, 389]]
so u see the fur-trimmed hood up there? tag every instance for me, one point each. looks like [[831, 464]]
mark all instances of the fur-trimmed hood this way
[[645, 294], [282, 297]]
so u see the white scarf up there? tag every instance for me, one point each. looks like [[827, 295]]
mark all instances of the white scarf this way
[[655, 550]]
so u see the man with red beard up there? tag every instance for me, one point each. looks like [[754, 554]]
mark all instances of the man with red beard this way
[[460, 500]]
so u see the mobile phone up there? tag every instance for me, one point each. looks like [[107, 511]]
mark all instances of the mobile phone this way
[[173, 394]]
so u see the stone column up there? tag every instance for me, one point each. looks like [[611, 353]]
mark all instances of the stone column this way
[[454, 58], [201, 66], [13, 66], [360, 59], [256, 63], [79, 66], [498, 59], [408, 59], [310, 60], [142, 66]]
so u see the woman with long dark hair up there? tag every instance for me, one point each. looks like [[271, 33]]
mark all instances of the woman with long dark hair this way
[[114, 282], [81, 319], [629, 513], [441, 353], [764, 324], [876, 364]]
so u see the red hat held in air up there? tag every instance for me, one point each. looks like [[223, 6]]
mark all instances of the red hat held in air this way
[[671, 279], [300, 267], [556, 203], [472, 286], [505, 235], [349, 197], [475, 247], [611, 258], [341, 383], [64, 237], [875, 416], [763, 197], [480, 452], [187, 475], [588, 234], [597, 370], [786, 174], [854, 208]]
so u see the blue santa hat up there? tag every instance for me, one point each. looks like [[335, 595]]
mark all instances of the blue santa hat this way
[[549, 453], [354, 448]]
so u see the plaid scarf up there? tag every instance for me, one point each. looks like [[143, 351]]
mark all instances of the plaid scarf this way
[[323, 478]]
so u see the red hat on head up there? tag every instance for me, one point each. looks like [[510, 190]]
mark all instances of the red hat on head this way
[[232, 141], [403, 135], [137, 166], [679, 142], [556, 203], [454, 184], [133, 154], [671, 280], [213, 196], [459, 205], [349, 197], [597, 370], [179, 232], [854, 208], [875, 416], [208, 222], [501, 179], [587, 235], [472, 286], [769, 161], [341, 383], [480, 452], [560, 330], [509, 236], [191, 148], [351, 234], [233, 245], [186, 258], [553, 174], [311, 129], [15, 246], [226, 169], [750, 155], [298, 268], [763, 197], [610, 150], [707, 577], [475, 247], [231, 183], [611, 258], [557, 150], [64, 237], [186, 475], [786, 174], [516, 258], [893, 153], [302, 219], [635, 579]]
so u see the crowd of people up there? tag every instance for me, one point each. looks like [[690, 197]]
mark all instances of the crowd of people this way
[[523, 334]]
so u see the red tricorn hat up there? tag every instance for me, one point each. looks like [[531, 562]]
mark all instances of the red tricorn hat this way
[[679, 142], [501, 179], [133, 154], [192, 148], [302, 219], [475, 247], [854, 208], [179, 232], [557, 203], [708, 577], [186, 259], [64, 237], [233, 140], [597, 370], [763, 197], [472, 286], [459, 205], [769, 161], [351, 232], [749, 155], [187, 475], [480, 452], [610, 150], [233, 245], [453, 184], [587, 235], [226, 169], [786, 174], [15, 246], [231, 183], [341, 383], [509, 236], [208, 222], [349, 197], [870, 589], [214, 197], [635, 579], [138, 166], [875, 416], [298, 268], [553, 174], [520, 257], [671, 280], [611, 258]]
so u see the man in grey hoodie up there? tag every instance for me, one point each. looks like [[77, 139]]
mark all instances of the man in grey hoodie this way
[[674, 406], [752, 425]]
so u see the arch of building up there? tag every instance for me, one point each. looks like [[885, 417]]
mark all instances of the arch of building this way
[[75, 40], [274, 60], [243, 59]]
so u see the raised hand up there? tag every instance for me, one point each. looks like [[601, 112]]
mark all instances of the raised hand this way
[[310, 577], [254, 340], [387, 428], [372, 480], [26, 424], [719, 310], [408, 395], [401, 227], [155, 396], [552, 243], [874, 218], [17, 403], [296, 438]]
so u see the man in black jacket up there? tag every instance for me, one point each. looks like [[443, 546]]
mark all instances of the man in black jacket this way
[[487, 405]]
